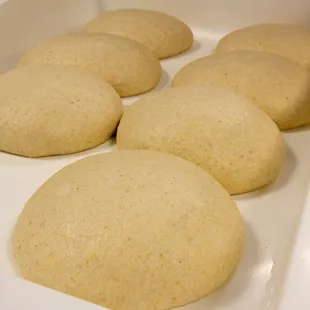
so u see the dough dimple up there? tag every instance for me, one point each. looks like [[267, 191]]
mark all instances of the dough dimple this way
[[130, 230], [52, 110], [279, 86], [125, 64], [163, 34], [291, 41], [215, 128]]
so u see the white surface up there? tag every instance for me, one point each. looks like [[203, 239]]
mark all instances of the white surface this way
[[295, 294], [273, 215], [17, 294]]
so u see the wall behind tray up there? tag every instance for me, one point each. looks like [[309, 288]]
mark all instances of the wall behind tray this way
[[24, 23]]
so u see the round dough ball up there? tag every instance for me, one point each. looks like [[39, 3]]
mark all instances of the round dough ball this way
[[279, 86], [217, 129], [163, 34], [129, 231], [52, 110], [128, 66], [290, 41]]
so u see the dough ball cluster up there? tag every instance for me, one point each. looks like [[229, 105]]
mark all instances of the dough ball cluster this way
[[152, 225]]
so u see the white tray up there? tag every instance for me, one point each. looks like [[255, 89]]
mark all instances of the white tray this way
[[274, 272]]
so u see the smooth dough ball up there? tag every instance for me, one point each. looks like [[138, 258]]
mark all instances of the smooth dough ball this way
[[163, 34], [279, 86], [290, 41], [127, 65], [217, 129], [52, 110], [130, 230]]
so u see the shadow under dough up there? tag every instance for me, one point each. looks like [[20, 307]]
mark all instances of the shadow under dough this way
[[195, 47], [164, 81]]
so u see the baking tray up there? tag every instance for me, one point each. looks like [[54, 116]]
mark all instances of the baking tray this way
[[275, 269]]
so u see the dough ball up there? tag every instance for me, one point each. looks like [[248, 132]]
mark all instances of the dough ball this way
[[290, 41], [279, 86], [130, 230], [128, 66], [163, 34], [51, 110], [217, 129]]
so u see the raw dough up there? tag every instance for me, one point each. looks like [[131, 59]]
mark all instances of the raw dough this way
[[217, 129], [291, 41], [279, 86], [163, 34], [128, 66], [130, 230], [50, 110]]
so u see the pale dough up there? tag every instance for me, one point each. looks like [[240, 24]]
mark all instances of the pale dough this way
[[130, 230], [163, 34], [291, 41], [128, 66], [51, 110], [217, 129], [279, 86]]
